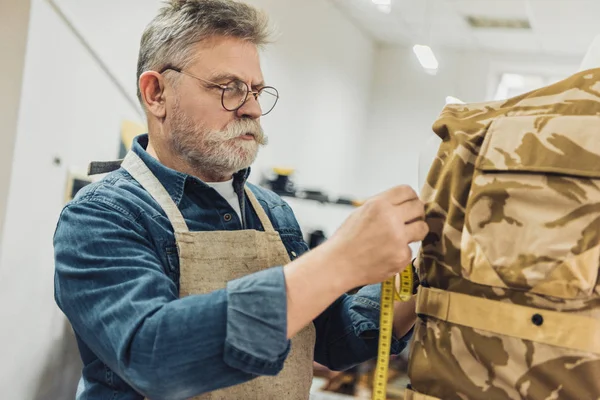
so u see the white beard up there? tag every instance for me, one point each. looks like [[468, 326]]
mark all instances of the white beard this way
[[216, 153]]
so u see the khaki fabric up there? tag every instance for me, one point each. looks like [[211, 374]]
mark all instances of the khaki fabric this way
[[576, 332], [208, 260], [511, 305], [412, 395]]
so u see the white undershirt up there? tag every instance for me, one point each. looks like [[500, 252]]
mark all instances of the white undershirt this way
[[225, 189]]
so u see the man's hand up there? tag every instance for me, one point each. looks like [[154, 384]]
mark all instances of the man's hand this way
[[373, 244], [370, 247]]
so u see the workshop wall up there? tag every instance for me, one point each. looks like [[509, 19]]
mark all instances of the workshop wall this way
[[14, 21], [71, 112], [405, 102]]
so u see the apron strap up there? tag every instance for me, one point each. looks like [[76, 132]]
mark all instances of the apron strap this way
[[141, 173], [561, 329], [412, 395], [262, 216]]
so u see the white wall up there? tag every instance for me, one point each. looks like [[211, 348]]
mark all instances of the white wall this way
[[69, 110], [72, 111], [323, 67], [323, 73], [406, 101], [14, 21]]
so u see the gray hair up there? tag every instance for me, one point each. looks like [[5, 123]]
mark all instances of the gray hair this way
[[180, 24]]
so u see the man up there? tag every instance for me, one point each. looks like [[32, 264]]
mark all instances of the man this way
[[179, 278]]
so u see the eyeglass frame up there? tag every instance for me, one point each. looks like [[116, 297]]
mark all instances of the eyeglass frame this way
[[224, 87]]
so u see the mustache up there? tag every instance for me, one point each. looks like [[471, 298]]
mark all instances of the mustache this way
[[243, 127]]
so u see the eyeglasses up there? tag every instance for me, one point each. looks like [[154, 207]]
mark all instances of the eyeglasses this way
[[235, 93]]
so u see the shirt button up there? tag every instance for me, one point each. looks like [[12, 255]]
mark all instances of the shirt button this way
[[227, 217], [294, 254]]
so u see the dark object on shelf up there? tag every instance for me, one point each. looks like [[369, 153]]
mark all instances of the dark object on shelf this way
[[282, 184], [344, 200], [349, 202], [316, 195], [75, 182], [78, 184], [316, 238]]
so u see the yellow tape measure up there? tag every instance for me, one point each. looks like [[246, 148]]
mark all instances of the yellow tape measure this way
[[388, 295]]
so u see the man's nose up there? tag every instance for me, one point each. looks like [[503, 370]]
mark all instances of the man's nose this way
[[251, 108]]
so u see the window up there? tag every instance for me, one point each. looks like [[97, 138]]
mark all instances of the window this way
[[513, 84]]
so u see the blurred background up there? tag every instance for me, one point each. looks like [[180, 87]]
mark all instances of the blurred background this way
[[361, 82]]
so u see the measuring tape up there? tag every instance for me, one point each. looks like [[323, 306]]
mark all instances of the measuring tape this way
[[388, 295]]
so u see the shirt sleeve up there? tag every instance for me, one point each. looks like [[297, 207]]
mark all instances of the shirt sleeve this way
[[348, 331], [111, 285]]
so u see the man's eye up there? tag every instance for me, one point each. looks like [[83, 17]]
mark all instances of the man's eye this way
[[229, 89], [236, 87]]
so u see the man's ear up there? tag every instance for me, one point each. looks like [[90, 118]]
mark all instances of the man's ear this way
[[152, 88]]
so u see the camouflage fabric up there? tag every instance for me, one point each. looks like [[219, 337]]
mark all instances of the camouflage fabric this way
[[513, 204]]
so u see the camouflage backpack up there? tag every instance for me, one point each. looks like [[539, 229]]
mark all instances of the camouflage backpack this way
[[509, 302]]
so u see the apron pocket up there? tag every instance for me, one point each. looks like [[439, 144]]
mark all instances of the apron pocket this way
[[532, 220]]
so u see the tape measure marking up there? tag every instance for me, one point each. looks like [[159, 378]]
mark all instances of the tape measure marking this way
[[386, 318]]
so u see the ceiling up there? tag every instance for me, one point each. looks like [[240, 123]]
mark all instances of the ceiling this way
[[558, 27]]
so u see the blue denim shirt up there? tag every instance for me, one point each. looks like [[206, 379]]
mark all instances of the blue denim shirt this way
[[117, 276]]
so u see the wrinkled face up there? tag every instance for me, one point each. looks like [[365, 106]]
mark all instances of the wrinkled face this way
[[202, 132]]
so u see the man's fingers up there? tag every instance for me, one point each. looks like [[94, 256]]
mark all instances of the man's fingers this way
[[417, 231], [411, 211], [399, 195]]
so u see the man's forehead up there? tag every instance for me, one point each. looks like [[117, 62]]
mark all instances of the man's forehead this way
[[229, 57]]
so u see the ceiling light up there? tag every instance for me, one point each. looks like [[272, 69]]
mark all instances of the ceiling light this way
[[385, 6], [426, 58]]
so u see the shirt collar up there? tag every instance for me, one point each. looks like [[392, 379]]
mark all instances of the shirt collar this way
[[174, 181]]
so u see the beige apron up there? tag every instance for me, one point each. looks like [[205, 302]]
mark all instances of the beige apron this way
[[208, 260]]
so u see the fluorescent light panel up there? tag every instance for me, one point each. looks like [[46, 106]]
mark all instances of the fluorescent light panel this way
[[426, 57]]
